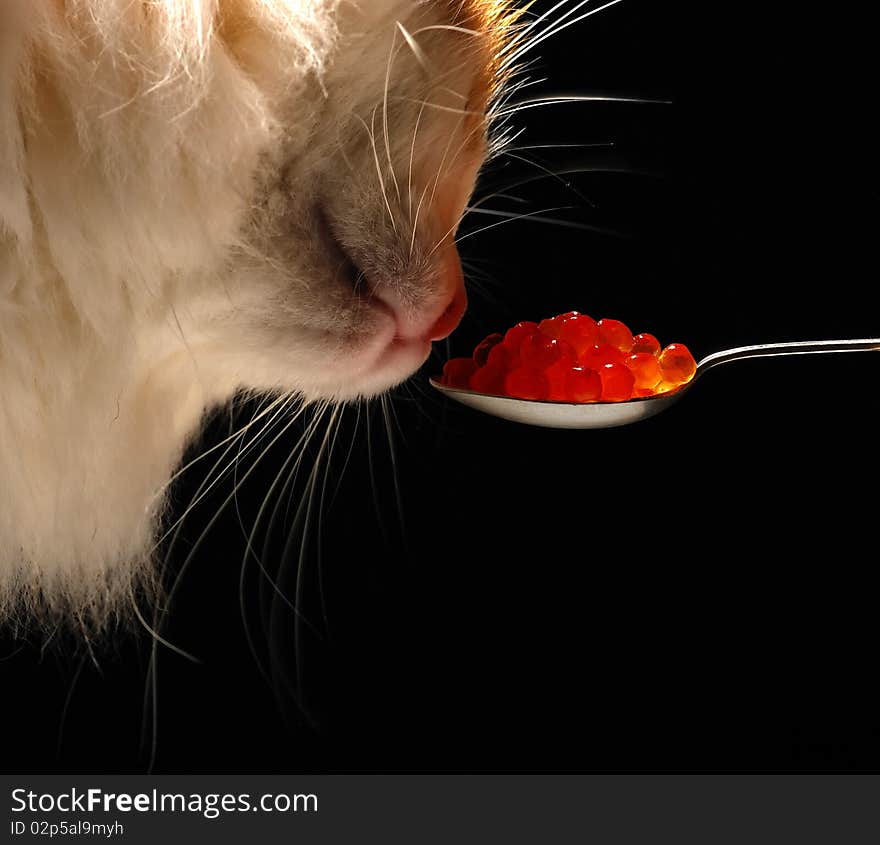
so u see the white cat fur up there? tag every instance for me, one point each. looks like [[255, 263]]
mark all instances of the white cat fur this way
[[168, 173]]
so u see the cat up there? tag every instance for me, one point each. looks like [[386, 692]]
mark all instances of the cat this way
[[199, 197]]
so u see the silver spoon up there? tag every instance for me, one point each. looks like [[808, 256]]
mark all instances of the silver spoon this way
[[610, 414]]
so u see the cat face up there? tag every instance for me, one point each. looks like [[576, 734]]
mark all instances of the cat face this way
[[348, 268], [200, 196]]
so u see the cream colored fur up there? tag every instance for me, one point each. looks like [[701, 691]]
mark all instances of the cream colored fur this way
[[176, 179]]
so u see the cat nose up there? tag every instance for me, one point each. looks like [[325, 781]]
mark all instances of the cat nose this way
[[436, 313], [452, 299]]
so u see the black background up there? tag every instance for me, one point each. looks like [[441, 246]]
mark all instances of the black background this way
[[691, 593]]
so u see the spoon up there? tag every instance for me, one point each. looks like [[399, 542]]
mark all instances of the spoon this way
[[610, 414]]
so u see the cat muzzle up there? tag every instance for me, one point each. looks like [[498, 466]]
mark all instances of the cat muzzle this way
[[437, 315]]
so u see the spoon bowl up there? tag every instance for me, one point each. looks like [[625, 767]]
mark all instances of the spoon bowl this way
[[612, 414]]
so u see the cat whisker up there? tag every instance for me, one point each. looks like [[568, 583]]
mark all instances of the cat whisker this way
[[391, 54], [62, 719], [450, 28], [392, 451], [440, 171], [418, 52], [415, 223], [152, 668], [418, 394], [504, 196], [84, 632], [556, 27], [156, 635], [552, 174], [278, 593], [512, 218], [326, 448], [302, 517], [374, 487], [296, 456], [597, 144], [565, 99], [371, 134], [527, 33], [412, 154], [525, 29], [569, 170], [216, 446], [278, 406], [204, 488], [357, 421], [568, 224], [480, 282], [437, 106]]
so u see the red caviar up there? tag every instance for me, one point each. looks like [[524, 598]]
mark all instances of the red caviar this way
[[617, 383], [572, 358], [457, 372], [527, 383], [541, 352], [645, 369], [597, 356], [645, 342], [489, 380], [515, 336], [677, 363], [615, 333], [481, 353]]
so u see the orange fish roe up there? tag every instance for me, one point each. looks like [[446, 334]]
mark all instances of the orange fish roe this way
[[677, 364], [615, 333], [645, 369], [645, 342], [572, 358]]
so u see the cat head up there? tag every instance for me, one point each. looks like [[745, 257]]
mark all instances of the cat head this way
[[200, 196], [284, 178], [354, 220]]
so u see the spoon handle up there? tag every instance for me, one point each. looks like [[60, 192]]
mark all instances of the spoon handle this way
[[805, 347]]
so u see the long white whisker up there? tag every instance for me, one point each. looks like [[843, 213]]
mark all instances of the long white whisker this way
[[450, 28], [392, 451], [564, 99], [156, 635], [438, 107], [154, 654], [552, 174], [372, 137], [336, 424], [556, 28], [528, 180], [412, 154], [279, 406], [391, 54], [217, 446], [415, 224], [418, 52], [440, 172], [299, 452], [510, 220], [511, 216], [527, 147]]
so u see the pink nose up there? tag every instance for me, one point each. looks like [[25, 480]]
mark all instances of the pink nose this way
[[439, 316], [451, 317], [452, 299]]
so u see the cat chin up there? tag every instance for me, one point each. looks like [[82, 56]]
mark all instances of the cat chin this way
[[400, 360], [397, 361]]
